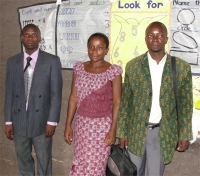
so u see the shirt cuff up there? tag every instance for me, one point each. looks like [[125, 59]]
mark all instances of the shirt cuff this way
[[8, 123], [52, 123]]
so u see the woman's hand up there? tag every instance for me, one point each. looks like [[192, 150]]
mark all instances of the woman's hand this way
[[68, 134], [110, 137]]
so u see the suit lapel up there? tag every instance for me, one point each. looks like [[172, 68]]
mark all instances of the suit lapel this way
[[38, 71], [19, 72], [166, 77], [145, 67], [166, 70]]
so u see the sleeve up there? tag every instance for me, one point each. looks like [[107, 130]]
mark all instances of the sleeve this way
[[122, 122], [185, 96], [8, 93], [56, 90], [114, 71], [77, 67]]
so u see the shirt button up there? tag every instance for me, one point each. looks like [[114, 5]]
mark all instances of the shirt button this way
[[37, 110], [40, 96], [18, 110], [17, 96]]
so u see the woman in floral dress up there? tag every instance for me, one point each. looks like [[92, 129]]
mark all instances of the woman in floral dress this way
[[94, 101]]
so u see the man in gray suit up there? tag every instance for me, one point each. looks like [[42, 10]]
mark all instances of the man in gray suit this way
[[32, 113]]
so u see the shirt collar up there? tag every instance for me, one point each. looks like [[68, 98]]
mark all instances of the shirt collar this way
[[34, 57], [151, 60]]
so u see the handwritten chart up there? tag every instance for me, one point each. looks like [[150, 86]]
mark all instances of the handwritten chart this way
[[185, 32], [44, 16], [75, 24], [66, 27]]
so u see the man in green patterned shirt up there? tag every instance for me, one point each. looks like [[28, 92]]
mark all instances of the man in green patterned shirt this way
[[147, 123]]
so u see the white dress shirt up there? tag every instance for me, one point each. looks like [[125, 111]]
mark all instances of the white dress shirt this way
[[156, 71]]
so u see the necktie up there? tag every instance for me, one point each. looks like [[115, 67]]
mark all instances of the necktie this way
[[27, 78], [28, 63]]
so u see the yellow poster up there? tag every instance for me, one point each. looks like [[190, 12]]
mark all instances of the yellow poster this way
[[128, 21]]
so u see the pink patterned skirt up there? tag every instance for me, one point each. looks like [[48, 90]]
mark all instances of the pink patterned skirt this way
[[90, 153]]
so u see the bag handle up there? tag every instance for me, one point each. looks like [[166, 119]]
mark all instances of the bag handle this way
[[125, 152]]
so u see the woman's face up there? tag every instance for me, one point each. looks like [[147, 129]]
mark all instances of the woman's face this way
[[97, 49]]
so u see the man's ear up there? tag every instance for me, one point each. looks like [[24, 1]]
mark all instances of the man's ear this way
[[166, 40]]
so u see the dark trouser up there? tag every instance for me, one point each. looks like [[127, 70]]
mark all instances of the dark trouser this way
[[152, 159], [43, 150]]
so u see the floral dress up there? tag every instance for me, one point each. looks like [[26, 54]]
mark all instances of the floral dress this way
[[92, 120]]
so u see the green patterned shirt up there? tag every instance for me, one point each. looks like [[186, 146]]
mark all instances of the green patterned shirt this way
[[136, 104]]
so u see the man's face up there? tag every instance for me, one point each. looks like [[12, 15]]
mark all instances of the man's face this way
[[156, 38], [31, 38]]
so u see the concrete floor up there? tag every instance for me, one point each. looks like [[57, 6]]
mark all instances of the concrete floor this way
[[183, 164]]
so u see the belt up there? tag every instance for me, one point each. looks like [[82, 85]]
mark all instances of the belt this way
[[150, 126]]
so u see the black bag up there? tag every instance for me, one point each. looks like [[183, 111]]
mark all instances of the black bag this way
[[119, 163]]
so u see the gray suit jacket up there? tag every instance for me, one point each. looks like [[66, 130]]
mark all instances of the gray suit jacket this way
[[44, 98]]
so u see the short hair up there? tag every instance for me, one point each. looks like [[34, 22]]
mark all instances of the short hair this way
[[159, 23], [101, 35], [31, 26]]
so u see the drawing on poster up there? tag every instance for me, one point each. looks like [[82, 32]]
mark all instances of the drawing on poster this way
[[129, 42], [185, 34]]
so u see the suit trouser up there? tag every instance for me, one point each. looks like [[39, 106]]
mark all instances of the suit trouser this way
[[43, 150], [152, 159]]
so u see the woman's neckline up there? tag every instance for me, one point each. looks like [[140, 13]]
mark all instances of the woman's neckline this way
[[95, 73]]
